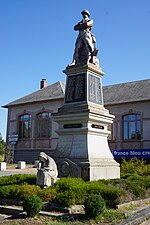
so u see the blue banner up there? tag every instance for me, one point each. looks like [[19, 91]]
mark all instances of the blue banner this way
[[132, 153]]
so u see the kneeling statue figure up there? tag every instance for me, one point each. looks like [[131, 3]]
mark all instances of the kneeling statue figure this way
[[47, 171]]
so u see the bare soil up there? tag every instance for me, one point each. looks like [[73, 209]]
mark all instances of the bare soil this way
[[26, 221], [43, 220]]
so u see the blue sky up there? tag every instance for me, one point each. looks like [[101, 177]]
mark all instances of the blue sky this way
[[37, 41]]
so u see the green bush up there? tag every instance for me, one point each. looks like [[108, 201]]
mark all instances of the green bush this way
[[135, 165], [136, 185], [110, 215], [18, 179], [47, 194], [94, 205], [27, 190], [8, 191], [32, 205], [135, 188], [65, 198], [69, 191], [111, 194], [64, 184], [142, 181], [19, 192]]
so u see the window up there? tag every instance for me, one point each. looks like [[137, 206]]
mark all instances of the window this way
[[112, 128], [25, 126], [132, 126], [44, 124]]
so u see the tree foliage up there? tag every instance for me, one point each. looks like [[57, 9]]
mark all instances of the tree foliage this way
[[2, 146]]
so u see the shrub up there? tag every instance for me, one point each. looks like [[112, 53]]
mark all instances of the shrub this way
[[8, 191], [134, 186], [110, 194], [32, 205], [47, 194], [135, 165], [110, 215], [137, 185], [64, 184], [94, 205], [27, 190], [69, 191], [18, 179], [142, 181], [19, 192]]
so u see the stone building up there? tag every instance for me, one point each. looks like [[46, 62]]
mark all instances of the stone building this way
[[130, 103], [30, 118]]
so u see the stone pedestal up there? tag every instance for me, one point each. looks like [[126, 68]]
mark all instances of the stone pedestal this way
[[83, 149], [2, 166], [21, 165]]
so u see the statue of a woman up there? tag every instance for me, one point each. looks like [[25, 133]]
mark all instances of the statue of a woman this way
[[47, 171]]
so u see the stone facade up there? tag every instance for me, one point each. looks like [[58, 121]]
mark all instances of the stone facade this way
[[143, 108], [33, 143], [83, 126], [28, 149], [120, 99]]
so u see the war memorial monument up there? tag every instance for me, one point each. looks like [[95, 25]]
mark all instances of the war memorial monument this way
[[83, 149]]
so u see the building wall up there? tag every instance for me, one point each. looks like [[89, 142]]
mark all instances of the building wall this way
[[28, 149], [119, 110]]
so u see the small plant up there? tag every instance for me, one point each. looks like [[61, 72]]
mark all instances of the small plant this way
[[110, 215], [94, 205], [18, 179], [69, 191], [47, 194], [19, 192], [106, 191], [32, 205], [135, 165]]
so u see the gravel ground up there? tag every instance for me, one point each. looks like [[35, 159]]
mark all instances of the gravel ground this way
[[25, 221], [11, 171], [147, 222], [43, 220]]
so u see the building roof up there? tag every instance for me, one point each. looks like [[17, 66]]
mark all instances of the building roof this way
[[127, 92], [113, 94], [51, 92]]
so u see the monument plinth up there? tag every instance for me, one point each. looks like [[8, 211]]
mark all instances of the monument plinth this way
[[83, 121], [83, 149]]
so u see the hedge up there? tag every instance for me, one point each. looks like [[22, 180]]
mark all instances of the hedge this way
[[70, 191], [18, 179]]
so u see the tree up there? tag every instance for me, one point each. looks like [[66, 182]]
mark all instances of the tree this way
[[2, 147]]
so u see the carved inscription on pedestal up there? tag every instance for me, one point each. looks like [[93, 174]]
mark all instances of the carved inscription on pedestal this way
[[95, 89], [76, 88]]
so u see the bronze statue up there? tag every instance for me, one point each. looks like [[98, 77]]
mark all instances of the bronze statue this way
[[85, 46]]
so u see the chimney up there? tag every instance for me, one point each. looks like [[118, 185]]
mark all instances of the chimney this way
[[43, 83]]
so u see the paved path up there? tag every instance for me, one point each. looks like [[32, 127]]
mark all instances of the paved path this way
[[9, 172]]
